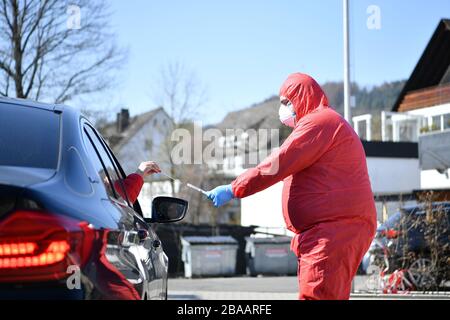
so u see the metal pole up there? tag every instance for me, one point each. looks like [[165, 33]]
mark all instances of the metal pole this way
[[347, 111]]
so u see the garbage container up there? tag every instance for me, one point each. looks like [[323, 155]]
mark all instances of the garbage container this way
[[209, 256], [270, 256]]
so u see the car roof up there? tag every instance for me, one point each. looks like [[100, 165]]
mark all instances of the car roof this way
[[31, 103], [422, 206]]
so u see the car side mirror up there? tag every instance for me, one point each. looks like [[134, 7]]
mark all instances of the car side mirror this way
[[168, 209]]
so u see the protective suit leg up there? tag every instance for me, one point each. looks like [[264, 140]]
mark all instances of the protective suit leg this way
[[328, 257]]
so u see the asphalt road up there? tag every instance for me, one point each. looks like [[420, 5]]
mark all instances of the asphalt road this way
[[266, 288]]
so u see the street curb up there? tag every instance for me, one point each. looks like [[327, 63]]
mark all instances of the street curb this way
[[409, 296]]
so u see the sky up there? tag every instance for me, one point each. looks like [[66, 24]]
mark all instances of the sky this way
[[242, 50]]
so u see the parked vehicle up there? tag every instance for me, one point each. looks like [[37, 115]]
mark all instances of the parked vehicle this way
[[401, 244], [65, 232]]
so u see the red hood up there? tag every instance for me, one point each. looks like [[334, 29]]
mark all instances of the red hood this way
[[305, 94]]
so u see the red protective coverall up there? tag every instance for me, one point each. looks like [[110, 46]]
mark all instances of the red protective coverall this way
[[327, 199], [132, 185]]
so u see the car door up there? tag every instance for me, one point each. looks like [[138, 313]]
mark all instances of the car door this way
[[124, 245], [149, 249], [154, 253]]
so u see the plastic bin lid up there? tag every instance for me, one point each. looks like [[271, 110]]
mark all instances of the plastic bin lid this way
[[269, 240], [209, 240]]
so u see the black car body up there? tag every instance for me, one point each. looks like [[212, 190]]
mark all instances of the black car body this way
[[65, 232]]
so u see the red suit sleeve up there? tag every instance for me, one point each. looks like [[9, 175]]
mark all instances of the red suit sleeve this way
[[132, 185], [304, 146]]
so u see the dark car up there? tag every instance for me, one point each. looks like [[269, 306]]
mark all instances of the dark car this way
[[65, 231], [407, 240]]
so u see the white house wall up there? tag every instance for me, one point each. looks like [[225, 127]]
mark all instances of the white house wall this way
[[432, 179], [431, 111], [393, 175], [135, 151], [264, 209]]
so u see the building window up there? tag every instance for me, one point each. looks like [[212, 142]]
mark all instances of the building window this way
[[435, 123], [446, 121]]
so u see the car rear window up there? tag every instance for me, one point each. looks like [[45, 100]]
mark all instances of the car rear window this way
[[29, 137]]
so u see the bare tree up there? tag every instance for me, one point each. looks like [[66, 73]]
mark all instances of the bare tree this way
[[180, 91], [182, 94], [56, 52]]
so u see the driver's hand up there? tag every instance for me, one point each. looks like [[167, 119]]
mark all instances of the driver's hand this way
[[147, 168]]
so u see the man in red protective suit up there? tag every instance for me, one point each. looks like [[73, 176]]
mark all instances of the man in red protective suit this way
[[327, 199], [132, 184]]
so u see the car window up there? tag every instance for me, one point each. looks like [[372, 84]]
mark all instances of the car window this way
[[136, 206], [116, 164], [104, 166], [29, 137]]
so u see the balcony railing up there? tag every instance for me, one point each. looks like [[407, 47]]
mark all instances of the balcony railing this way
[[403, 126]]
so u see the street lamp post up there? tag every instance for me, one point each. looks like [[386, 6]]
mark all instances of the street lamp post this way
[[347, 111]]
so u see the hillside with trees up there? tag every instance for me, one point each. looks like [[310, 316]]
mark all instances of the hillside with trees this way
[[264, 115], [367, 100]]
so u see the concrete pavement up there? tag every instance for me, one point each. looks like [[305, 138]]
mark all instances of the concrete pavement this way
[[267, 288], [238, 288]]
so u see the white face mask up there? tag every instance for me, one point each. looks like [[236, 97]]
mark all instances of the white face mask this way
[[287, 115]]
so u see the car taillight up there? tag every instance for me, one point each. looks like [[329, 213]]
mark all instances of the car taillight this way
[[21, 255], [390, 233], [41, 246]]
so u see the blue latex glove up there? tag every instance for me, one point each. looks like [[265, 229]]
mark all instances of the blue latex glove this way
[[220, 195]]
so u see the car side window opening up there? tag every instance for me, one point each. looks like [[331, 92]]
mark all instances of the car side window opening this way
[[135, 206], [118, 169], [113, 159], [104, 166]]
